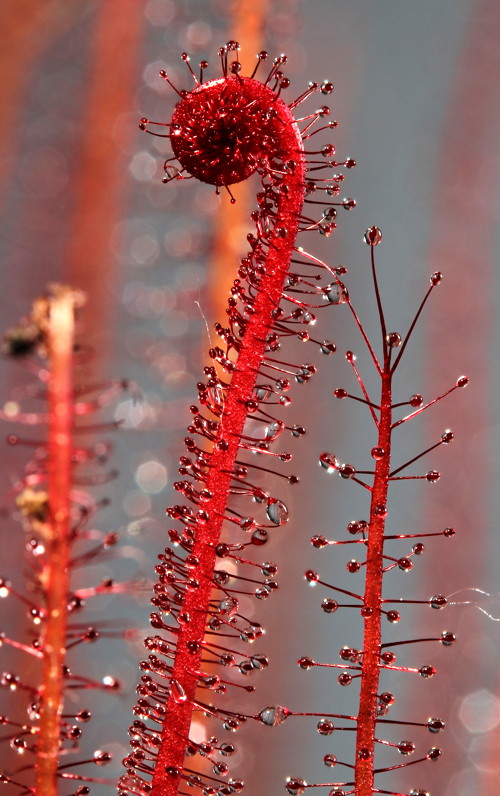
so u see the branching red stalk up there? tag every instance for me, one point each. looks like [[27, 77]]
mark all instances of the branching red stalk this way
[[365, 665], [365, 737], [54, 514]]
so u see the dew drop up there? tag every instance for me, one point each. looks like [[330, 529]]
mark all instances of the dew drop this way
[[296, 786], [333, 189], [373, 236], [329, 606], [406, 747], [327, 347], [228, 606], [329, 462], [221, 577], [438, 601], [274, 430], [427, 671], [330, 761], [347, 471], [171, 172], [326, 87], [306, 663], [277, 511], [102, 758], [393, 339], [177, 692], [336, 293], [325, 727], [393, 616], [435, 725], [273, 715], [263, 393], [19, 745], [357, 526], [259, 537], [377, 453], [447, 638]]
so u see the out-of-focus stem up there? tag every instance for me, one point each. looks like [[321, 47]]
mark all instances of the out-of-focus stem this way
[[365, 738], [100, 190], [59, 342], [247, 25]]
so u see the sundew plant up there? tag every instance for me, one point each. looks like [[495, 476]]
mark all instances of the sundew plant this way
[[297, 445]]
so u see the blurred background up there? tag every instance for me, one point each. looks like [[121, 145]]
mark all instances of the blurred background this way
[[82, 202]]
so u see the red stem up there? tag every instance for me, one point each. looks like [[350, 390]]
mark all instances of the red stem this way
[[196, 602], [365, 738]]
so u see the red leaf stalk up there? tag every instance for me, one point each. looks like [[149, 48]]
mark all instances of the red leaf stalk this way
[[222, 462], [365, 737]]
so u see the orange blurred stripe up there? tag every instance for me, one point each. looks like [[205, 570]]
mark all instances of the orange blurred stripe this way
[[99, 194], [247, 26], [28, 27]]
